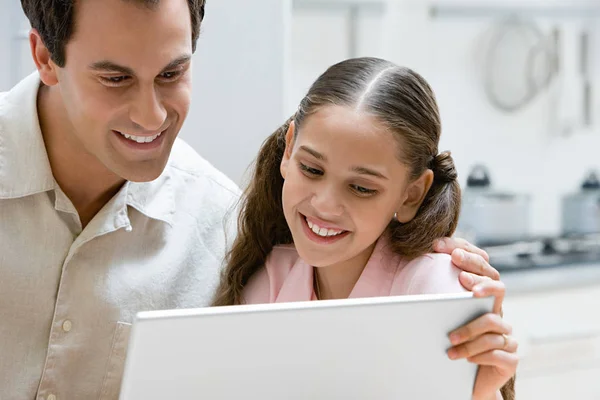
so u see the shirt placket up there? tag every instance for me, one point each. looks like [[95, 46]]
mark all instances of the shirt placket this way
[[109, 220]]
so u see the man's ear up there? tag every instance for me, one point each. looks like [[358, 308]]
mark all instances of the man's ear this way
[[413, 197], [42, 59], [289, 146]]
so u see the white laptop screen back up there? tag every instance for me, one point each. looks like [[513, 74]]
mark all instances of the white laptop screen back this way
[[377, 348]]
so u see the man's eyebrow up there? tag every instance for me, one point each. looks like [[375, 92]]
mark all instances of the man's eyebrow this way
[[106, 65], [109, 66], [178, 62]]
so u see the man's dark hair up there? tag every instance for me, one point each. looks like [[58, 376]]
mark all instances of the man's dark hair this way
[[54, 20]]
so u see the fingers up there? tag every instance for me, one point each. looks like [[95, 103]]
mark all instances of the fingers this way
[[488, 323], [506, 363], [448, 245], [466, 256], [484, 287], [474, 263], [483, 344], [469, 280]]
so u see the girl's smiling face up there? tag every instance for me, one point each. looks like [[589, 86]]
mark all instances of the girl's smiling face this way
[[343, 184]]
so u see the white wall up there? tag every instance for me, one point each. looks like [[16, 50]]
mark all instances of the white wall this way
[[520, 150], [239, 95], [15, 62], [320, 38], [5, 57]]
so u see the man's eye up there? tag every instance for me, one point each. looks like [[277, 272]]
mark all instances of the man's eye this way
[[169, 76], [114, 80]]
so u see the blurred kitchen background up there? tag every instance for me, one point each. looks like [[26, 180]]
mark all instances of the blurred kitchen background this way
[[518, 84]]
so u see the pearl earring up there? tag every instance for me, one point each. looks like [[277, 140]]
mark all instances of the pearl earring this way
[[395, 216]]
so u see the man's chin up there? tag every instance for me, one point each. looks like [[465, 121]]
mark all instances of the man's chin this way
[[145, 177], [142, 172]]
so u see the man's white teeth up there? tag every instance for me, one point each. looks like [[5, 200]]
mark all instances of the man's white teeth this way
[[322, 231], [141, 139]]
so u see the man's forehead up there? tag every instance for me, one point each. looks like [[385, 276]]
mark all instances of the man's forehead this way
[[130, 36], [131, 19]]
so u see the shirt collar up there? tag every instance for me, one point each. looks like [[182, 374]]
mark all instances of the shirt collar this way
[[25, 168], [378, 276], [376, 279], [24, 165], [154, 199]]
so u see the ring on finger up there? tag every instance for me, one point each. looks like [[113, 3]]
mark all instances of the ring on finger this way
[[505, 336]]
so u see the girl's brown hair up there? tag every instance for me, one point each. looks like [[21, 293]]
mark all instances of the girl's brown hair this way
[[403, 102]]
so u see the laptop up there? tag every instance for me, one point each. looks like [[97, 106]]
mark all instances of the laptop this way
[[373, 348]]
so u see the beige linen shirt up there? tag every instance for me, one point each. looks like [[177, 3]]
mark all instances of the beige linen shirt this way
[[68, 295]]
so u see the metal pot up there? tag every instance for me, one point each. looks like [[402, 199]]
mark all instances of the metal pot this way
[[581, 210], [492, 217]]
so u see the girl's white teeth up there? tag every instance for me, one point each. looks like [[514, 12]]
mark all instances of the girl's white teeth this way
[[322, 231], [141, 139]]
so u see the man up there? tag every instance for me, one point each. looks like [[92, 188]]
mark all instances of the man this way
[[104, 213]]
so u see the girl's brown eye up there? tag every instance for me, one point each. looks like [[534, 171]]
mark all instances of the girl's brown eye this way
[[363, 190], [310, 170]]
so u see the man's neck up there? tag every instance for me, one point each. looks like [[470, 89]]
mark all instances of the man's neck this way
[[81, 176]]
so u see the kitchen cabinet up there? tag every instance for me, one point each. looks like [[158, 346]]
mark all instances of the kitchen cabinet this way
[[559, 337]]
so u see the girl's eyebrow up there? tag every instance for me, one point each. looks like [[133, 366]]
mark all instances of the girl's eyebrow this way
[[367, 171], [358, 170], [313, 153]]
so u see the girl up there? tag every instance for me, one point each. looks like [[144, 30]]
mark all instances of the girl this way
[[346, 200]]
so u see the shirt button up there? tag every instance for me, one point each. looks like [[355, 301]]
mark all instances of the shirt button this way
[[51, 397], [67, 326]]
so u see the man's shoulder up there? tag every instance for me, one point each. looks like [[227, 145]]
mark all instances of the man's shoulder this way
[[8, 108], [3, 96], [199, 190], [186, 163], [12, 100]]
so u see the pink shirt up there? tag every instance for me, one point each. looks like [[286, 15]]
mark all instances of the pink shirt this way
[[287, 278]]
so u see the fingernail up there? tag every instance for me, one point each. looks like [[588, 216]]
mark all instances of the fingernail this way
[[452, 354], [454, 338], [440, 245], [461, 255], [468, 278], [478, 290]]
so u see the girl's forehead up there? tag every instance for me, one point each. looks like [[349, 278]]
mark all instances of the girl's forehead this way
[[349, 138], [342, 117], [343, 127]]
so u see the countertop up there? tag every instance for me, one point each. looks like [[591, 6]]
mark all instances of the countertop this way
[[550, 278]]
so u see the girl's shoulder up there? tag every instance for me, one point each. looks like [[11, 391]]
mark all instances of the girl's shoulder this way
[[428, 274]]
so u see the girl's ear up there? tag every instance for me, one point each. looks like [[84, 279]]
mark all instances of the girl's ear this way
[[413, 197], [289, 146]]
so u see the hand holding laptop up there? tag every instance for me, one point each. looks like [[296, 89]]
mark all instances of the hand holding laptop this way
[[486, 340]]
